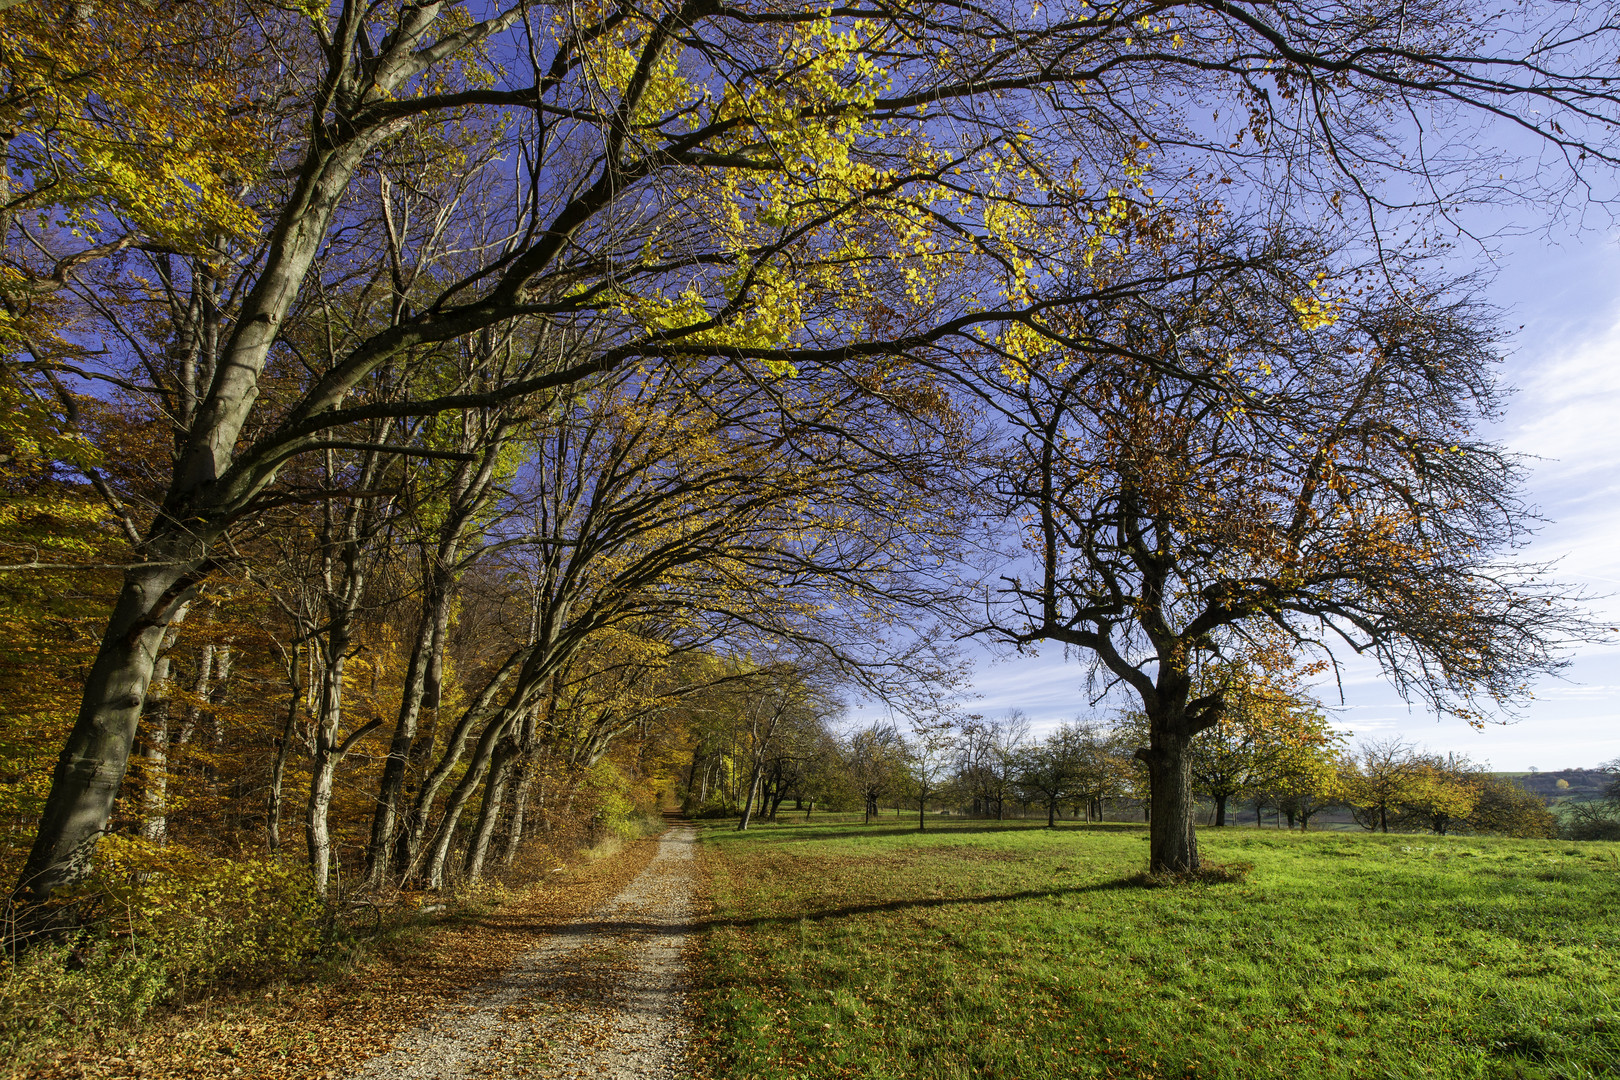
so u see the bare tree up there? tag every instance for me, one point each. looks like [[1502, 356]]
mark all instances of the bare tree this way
[[1225, 461]]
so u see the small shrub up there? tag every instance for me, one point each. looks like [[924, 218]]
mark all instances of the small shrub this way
[[204, 919]]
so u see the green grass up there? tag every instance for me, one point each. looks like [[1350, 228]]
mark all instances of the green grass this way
[[1006, 950]]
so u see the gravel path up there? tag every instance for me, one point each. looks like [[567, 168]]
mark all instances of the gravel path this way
[[601, 998]]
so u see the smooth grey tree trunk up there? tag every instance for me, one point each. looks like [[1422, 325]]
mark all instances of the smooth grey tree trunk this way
[[434, 856], [408, 848], [278, 767], [90, 768], [323, 765], [748, 802], [520, 809], [490, 811], [430, 638]]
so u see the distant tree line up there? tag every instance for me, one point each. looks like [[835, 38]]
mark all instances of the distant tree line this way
[[1273, 751]]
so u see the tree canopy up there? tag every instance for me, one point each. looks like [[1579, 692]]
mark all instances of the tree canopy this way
[[488, 379]]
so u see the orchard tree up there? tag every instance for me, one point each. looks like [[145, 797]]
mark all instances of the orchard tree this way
[[988, 752], [1050, 770], [1506, 808], [1264, 450], [1377, 779], [1305, 787], [875, 758], [1443, 792], [1269, 737], [930, 755]]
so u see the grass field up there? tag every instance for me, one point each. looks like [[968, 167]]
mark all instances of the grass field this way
[[986, 950]]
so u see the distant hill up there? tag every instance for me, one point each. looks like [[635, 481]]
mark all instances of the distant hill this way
[[1583, 783]]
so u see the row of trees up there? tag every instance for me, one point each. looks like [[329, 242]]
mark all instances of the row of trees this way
[[441, 394], [1272, 750], [1390, 783]]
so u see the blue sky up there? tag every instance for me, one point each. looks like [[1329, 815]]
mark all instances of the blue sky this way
[[1565, 366]]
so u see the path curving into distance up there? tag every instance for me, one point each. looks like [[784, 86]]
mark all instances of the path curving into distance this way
[[600, 998]]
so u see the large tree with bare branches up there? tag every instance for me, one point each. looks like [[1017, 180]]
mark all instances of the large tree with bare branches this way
[[1270, 453]]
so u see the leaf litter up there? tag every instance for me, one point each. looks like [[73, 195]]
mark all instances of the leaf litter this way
[[602, 993]]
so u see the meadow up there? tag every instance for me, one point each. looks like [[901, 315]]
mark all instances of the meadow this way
[[984, 950]]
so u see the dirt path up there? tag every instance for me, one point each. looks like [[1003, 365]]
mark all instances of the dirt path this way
[[600, 998]]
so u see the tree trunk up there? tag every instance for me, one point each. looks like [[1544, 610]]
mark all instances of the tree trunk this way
[[489, 813], [91, 766], [323, 765], [155, 762], [155, 776], [430, 639], [520, 809], [748, 804], [278, 768], [224, 664], [1051, 813], [1220, 811], [407, 854], [432, 860], [1173, 843]]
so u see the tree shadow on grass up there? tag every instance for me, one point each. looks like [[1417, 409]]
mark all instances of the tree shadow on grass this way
[[611, 926], [923, 903], [789, 833]]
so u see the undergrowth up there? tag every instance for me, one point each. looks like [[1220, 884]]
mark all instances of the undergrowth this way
[[160, 927]]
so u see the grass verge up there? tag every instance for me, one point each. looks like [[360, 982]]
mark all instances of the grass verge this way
[[1007, 950]]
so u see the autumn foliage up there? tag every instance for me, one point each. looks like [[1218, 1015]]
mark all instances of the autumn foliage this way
[[435, 436]]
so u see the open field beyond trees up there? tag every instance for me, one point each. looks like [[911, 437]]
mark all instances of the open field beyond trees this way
[[989, 949]]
